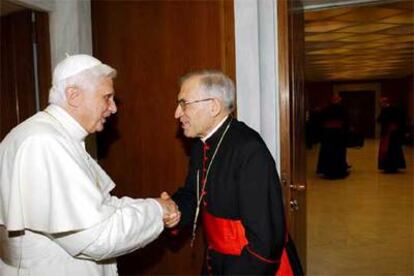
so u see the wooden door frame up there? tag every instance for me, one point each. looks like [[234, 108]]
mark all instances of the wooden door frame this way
[[284, 101], [292, 154]]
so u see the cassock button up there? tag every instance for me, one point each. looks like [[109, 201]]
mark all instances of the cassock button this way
[[204, 203]]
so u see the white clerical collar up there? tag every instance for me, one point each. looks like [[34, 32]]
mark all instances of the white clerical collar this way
[[204, 139], [68, 122]]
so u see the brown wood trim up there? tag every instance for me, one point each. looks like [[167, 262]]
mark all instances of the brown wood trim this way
[[284, 97], [291, 79]]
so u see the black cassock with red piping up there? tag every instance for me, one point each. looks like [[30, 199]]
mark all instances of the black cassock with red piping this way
[[241, 206]]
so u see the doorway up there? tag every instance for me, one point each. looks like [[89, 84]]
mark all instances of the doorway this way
[[360, 106], [349, 218]]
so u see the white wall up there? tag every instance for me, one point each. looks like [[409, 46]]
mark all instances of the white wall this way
[[256, 69]]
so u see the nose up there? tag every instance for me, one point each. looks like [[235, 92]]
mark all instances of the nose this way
[[112, 107], [178, 112]]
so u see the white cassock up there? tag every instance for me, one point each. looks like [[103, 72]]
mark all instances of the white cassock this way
[[57, 217]]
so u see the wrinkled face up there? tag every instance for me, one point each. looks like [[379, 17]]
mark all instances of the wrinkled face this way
[[194, 109], [97, 104]]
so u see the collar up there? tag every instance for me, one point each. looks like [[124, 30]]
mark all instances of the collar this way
[[204, 139], [215, 137], [72, 126]]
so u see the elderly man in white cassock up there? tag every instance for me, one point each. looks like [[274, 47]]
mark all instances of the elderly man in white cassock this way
[[56, 214]]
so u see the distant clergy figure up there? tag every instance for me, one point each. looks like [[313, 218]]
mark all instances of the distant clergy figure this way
[[390, 155], [334, 128]]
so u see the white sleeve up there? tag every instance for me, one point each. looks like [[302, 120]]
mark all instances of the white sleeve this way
[[134, 224]]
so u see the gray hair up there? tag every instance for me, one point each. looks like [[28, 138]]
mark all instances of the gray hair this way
[[86, 79], [215, 84]]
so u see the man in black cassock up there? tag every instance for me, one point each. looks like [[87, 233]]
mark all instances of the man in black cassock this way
[[232, 183], [390, 155], [334, 127]]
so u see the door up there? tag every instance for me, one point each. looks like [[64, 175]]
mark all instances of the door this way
[[152, 44], [21, 32], [17, 94], [292, 120]]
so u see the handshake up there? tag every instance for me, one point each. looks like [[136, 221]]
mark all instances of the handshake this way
[[171, 214]]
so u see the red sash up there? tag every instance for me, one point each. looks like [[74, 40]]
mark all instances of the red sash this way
[[228, 237], [225, 236]]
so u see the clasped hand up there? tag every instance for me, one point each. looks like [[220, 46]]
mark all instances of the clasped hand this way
[[171, 214]]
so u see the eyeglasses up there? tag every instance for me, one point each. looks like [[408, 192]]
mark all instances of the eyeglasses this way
[[183, 103]]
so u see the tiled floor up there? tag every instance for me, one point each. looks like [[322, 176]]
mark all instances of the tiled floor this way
[[361, 225]]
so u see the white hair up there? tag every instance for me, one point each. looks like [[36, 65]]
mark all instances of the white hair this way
[[86, 79], [215, 84]]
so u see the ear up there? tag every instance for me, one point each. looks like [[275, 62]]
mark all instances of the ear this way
[[215, 107], [73, 96]]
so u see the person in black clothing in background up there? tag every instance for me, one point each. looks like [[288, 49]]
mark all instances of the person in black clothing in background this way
[[312, 127], [334, 129], [232, 184], [390, 155]]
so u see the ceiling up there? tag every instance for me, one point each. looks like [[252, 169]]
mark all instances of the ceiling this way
[[358, 40]]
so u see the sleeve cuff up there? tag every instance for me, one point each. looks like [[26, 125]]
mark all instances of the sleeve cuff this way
[[155, 202]]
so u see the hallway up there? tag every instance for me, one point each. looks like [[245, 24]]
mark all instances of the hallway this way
[[361, 225]]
